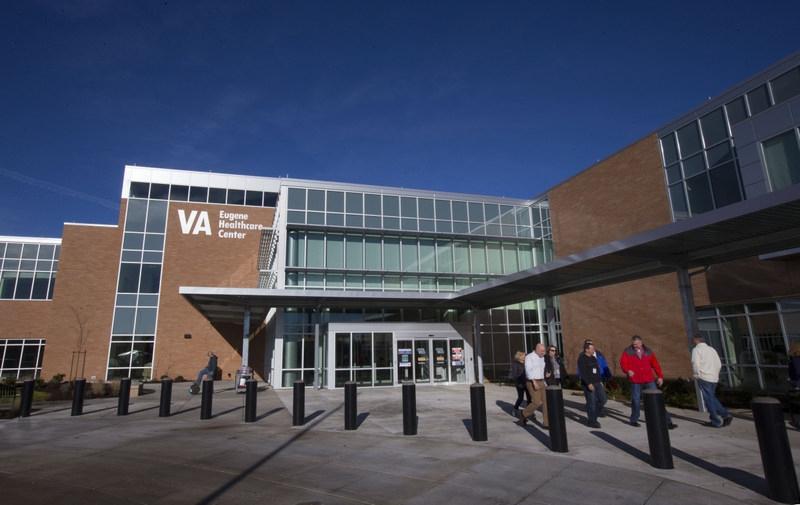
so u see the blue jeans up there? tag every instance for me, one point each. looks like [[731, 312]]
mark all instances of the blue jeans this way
[[636, 398], [595, 401], [716, 411]]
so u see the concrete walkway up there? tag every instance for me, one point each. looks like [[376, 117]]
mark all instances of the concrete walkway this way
[[102, 458]]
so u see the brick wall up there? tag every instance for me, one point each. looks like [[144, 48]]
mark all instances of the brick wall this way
[[618, 197]]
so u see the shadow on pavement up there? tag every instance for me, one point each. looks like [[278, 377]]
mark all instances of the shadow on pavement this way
[[42, 412], [234, 409], [741, 477], [688, 419], [185, 410], [361, 418], [468, 426], [619, 444], [537, 433], [313, 416], [214, 496], [87, 412], [506, 407], [142, 410], [268, 413]]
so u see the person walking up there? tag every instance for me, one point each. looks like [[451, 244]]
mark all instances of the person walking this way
[[517, 375], [705, 368], [534, 373], [553, 367], [639, 362], [605, 374], [592, 383]]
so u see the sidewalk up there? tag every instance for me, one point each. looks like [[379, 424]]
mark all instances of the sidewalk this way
[[99, 457]]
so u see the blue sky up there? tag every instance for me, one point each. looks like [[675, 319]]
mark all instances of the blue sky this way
[[504, 98]]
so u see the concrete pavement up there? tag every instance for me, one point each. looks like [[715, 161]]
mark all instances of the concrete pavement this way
[[100, 457]]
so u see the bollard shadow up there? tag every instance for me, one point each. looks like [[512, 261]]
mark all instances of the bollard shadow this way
[[185, 410], [506, 407], [468, 426], [142, 410], [687, 419], [619, 444], [95, 411], [41, 412], [269, 413], [741, 477], [315, 415], [214, 496], [234, 409], [360, 418], [538, 432]]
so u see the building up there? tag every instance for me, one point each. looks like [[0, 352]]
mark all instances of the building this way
[[330, 282]]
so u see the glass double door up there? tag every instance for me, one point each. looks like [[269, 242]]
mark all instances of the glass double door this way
[[428, 360]]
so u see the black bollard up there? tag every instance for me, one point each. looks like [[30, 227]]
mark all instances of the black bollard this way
[[251, 388], [409, 408], [657, 434], [299, 404], [555, 418], [776, 454], [350, 407], [27, 399], [166, 398], [78, 387], [477, 400], [124, 397], [206, 397]]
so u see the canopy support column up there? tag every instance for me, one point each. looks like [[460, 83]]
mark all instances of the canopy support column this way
[[476, 346], [689, 321]]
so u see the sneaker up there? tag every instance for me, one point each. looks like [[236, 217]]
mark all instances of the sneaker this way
[[635, 424], [672, 426], [594, 425], [709, 424], [727, 421], [522, 421]]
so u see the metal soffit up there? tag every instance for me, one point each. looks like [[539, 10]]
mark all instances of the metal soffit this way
[[761, 225]]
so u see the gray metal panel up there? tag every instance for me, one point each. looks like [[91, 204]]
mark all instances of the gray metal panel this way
[[748, 154], [756, 189], [743, 133], [752, 172], [773, 121]]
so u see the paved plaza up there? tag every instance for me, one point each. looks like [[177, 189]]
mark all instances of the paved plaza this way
[[100, 457]]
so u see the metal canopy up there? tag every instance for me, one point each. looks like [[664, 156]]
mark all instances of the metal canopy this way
[[228, 304], [761, 225]]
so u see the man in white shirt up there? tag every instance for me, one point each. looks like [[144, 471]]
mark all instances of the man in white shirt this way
[[534, 373], [705, 367]]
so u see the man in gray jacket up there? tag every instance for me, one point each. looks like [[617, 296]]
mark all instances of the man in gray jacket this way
[[706, 366]]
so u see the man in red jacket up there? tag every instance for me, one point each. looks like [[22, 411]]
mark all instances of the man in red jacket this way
[[639, 362]]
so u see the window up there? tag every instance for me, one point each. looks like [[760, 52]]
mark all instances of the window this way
[[786, 86], [354, 254], [236, 197], [335, 202], [737, 110], [758, 99], [689, 139], [297, 199], [725, 184], [315, 257], [21, 358], [372, 253], [198, 194], [714, 129], [782, 157], [699, 194]]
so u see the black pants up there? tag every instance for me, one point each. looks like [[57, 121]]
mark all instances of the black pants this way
[[520, 391]]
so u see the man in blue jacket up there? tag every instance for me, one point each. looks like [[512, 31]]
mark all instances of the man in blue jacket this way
[[605, 374]]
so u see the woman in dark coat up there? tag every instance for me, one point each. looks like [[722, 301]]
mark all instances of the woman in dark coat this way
[[517, 374], [554, 370]]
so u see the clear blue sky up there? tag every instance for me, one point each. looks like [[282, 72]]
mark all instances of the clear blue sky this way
[[504, 98]]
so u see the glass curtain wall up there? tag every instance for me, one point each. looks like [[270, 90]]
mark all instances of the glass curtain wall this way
[[133, 329], [753, 341]]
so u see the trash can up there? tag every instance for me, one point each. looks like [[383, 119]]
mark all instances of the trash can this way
[[242, 376]]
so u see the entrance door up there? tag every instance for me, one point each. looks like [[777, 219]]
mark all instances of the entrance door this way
[[422, 362], [440, 360], [405, 361]]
